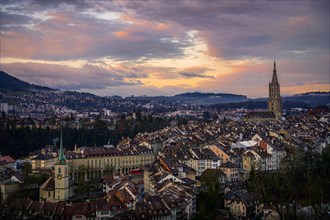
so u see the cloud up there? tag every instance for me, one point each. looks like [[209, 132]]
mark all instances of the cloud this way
[[141, 90], [89, 76], [194, 75], [195, 72], [151, 29], [70, 34], [229, 46], [236, 29], [252, 77]]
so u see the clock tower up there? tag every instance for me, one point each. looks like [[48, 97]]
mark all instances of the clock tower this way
[[61, 176]]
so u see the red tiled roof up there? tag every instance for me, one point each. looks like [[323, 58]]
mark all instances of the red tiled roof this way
[[6, 160]]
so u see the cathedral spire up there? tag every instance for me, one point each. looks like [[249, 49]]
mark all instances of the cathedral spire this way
[[275, 99], [274, 79]]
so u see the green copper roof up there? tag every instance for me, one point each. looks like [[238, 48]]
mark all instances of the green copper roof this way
[[61, 157]]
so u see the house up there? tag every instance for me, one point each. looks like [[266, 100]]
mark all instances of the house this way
[[257, 159], [231, 171], [274, 148], [8, 188], [269, 213], [43, 161], [242, 204], [152, 207], [179, 200], [46, 190], [222, 152], [81, 211], [204, 159], [6, 162]]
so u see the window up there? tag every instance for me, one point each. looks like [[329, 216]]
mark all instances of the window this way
[[59, 170]]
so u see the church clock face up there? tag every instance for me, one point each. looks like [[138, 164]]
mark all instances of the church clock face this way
[[59, 176]]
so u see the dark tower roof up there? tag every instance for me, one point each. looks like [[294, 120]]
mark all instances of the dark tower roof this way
[[274, 79]]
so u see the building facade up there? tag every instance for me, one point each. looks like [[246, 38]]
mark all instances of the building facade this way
[[94, 162], [275, 99]]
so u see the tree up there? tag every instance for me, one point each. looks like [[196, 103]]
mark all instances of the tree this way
[[302, 180], [108, 170], [139, 115], [3, 114], [209, 199], [83, 184]]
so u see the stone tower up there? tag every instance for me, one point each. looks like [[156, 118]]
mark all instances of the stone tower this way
[[61, 176], [275, 99]]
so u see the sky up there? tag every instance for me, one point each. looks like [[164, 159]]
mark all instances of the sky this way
[[168, 47]]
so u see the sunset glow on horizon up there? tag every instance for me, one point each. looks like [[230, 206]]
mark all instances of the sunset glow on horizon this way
[[157, 48]]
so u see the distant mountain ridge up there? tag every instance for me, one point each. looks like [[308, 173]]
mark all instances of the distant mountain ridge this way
[[197, 98], [11, 83], [202, 95], [209, 98], [311, 98]]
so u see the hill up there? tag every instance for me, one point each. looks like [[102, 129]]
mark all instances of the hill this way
[[258, 105], [305, 100], [10, 83], [311, 98], [197, 98]]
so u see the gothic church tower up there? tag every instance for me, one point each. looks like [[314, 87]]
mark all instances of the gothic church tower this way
[[275, 99], [61, 176]]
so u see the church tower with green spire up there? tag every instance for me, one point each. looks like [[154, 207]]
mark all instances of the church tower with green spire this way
[[275, 99], [61, 175]]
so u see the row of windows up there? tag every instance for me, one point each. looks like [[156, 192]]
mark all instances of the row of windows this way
[[93, 163]]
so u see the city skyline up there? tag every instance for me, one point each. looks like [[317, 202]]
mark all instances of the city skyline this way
[[155, 48]]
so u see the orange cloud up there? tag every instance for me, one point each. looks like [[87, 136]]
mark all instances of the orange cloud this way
[[121, 34]]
